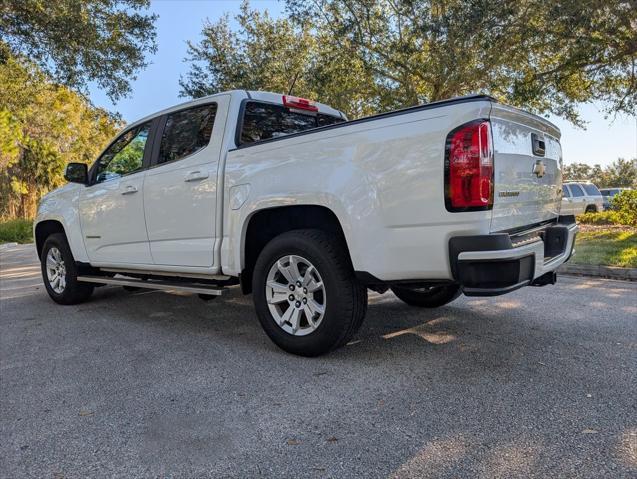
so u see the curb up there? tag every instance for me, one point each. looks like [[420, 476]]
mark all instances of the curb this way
[[599, 271], [4, 246]]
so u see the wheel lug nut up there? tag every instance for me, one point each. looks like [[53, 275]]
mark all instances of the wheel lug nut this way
[[291, 287], [304, 300], [304, 290], [298, 283], [291, 297], [298, 304]]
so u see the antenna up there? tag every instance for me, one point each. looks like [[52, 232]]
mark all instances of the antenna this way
[[293, 83]]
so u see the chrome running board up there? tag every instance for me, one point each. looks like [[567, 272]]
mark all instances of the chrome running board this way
[[195, 288]]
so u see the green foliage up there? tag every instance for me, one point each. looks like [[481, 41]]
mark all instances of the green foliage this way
[[624, 211], [610, 247], [76, 42], [16, 231], [48, 49], [621, 173], [129, 158], [10, 137], [279, 55], [263, 52], [543, 56], [602, 218], [44, 126], [625, 205], [581, 172], [373, 55]]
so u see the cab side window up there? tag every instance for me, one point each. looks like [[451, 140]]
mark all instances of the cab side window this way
[[262, 121], [577, 190], [186, 132], [591, 189], [125, 155], [565, 192]]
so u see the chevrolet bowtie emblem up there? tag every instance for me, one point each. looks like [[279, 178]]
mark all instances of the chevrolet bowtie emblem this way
[[539, 169]]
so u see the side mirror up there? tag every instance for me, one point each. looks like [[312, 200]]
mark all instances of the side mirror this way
[[76, 173]]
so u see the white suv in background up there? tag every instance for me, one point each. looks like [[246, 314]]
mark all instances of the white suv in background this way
[[581, 197], [609, 193]]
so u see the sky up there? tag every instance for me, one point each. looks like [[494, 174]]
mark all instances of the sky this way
[[157, 87]]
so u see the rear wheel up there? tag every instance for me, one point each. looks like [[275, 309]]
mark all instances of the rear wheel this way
[[428, 296], [305, 293], [591, 209], [59, 272]]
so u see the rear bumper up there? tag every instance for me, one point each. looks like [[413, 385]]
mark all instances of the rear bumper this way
[[489, 265]]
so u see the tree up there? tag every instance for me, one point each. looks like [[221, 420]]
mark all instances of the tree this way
[[265, 52], [543, 56], [10, 137], [620, 173], [42, 127], [76, 42], [375, 55], [577, 172], [277, 55]]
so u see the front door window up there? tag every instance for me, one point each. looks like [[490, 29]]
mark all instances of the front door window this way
[[124, 156]]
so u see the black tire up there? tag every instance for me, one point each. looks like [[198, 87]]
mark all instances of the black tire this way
[[432, 297], [591, 209], [131, 289], [73, 292], [345, 298]]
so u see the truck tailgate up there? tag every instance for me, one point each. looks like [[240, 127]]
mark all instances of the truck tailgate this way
[[527, 169]]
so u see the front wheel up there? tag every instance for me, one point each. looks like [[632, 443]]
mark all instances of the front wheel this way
[[428, 296], [305, 293], [59, 272]]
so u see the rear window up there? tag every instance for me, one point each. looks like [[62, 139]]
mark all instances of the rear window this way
[[186, 132], [591, 190], [262, 121]]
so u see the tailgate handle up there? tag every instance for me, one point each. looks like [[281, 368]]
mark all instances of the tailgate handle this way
[[539, 146]]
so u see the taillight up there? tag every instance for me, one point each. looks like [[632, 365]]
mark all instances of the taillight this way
[[469, 167], [299, 103]]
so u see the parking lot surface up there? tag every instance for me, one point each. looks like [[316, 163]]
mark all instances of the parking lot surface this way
[[538, 383]]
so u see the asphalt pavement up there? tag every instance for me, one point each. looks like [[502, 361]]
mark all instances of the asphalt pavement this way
[[538, 383]]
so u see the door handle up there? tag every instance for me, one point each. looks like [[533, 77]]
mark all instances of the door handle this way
[[196, 176], [129, 190]]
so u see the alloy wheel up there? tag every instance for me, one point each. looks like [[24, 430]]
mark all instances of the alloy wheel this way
[[56, 270], [295, 294]]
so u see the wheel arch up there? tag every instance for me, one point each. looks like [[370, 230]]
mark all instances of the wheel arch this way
[[43, 230], [265, 224]]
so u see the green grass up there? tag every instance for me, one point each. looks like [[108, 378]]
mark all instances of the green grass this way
[[16, 231], [607, 247]]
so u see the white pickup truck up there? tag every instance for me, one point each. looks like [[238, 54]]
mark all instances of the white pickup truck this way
[[307, 211]]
